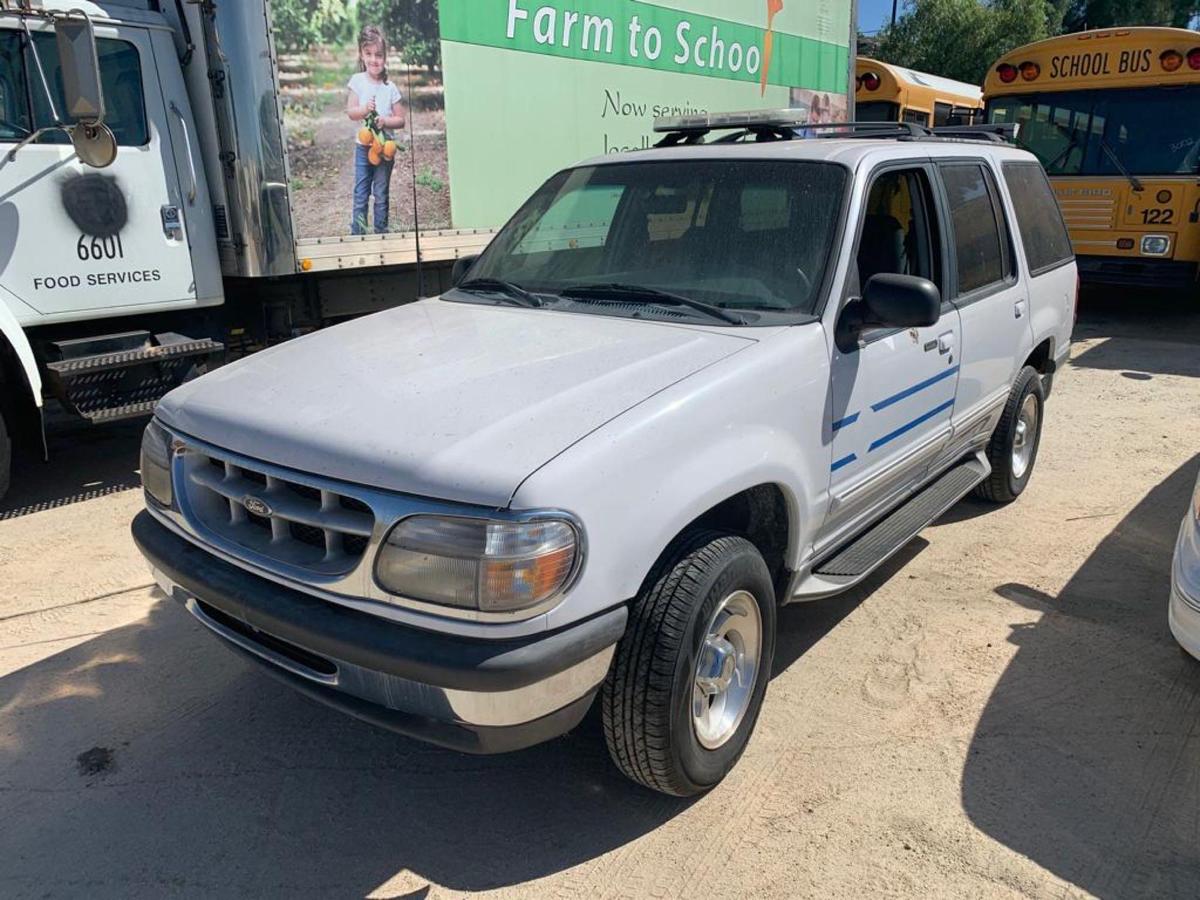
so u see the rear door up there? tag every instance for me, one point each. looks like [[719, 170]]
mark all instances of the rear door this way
[[77, 239], [892, 392], [991, 296]]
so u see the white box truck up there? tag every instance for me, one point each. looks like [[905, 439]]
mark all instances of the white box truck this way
[[183, 180]]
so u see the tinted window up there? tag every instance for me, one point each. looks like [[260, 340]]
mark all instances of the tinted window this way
[[916, 117], [977, 240], [25, 108], [1043, 233], [753, 235], [942, 113], [897, 237]]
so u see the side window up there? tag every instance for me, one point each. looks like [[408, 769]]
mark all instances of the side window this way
[[979, 244], [120, 76], [917, 117], [898, 235], [14, 109], [1043, 233], [942, 114]]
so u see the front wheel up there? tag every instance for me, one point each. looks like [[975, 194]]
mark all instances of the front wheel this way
[[689, 675], [1014, 445]]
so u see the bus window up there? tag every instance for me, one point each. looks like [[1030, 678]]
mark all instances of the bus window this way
[[942, 114], [876, 111], [916, 117], [1151, 131]]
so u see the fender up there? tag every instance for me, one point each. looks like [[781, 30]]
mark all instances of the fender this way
[[12, 332], [640, 480]]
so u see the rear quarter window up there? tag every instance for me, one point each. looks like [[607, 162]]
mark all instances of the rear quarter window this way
[[1043, 233]]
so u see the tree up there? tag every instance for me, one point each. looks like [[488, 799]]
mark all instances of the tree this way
[[301, 23], [1081, 14], [411, 27], [960, 39]]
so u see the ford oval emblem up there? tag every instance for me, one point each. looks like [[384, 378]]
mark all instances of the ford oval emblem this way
[[256, 506]]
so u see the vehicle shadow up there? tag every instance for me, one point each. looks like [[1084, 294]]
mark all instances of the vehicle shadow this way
[[1129, 317], [152, 760], [85, 462], [1087, 756]]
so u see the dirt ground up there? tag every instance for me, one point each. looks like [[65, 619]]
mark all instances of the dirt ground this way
[[1001, 712]]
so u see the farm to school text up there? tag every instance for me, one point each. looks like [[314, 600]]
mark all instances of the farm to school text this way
[[570, 29]]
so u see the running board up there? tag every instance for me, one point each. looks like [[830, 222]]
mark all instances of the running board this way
[[853, 562]]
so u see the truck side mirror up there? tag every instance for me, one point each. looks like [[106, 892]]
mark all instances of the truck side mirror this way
[[462, 266], [902, 301], [94, 141]]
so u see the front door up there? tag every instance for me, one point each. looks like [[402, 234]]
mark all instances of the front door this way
[[892, 395], [74, 238]]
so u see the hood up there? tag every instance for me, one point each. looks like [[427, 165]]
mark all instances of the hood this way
[[450, 400]]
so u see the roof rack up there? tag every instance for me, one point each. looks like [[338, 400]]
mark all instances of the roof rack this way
[[791, 124]]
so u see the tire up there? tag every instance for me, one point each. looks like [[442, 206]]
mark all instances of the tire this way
[[1010, 476], [5, 457], [651, 692]]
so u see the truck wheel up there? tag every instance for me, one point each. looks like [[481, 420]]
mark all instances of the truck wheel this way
[[688, 677], [5, 457], [1014, 446]]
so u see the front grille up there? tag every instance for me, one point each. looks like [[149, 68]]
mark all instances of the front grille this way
[[281, 519]]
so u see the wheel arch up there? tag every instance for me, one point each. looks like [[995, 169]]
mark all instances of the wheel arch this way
[[20, 381]]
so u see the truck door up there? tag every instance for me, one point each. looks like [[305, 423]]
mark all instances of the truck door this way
[[79, 239], [891, 395]]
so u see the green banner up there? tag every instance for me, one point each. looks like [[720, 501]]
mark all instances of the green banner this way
[[643, 35]]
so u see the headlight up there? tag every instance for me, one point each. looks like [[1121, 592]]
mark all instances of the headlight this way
[[156, 464], [1155, 245], [483, 564]]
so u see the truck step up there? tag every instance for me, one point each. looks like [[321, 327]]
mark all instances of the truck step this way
[[900, 526], [123, 359], [122, 376]]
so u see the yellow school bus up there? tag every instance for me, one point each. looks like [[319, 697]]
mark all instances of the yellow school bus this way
[[1114, 116], [887, 93]]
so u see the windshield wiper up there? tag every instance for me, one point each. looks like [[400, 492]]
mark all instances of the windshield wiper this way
[[637, 294], [1116, 160], [513, 292]]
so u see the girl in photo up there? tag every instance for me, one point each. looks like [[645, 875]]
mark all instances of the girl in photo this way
[[370, 92]]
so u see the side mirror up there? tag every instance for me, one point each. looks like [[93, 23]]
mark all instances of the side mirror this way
[[462, 266], [80, 63], [94, 142], [902, 301]]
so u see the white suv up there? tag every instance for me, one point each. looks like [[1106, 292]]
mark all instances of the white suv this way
[[681, 388]]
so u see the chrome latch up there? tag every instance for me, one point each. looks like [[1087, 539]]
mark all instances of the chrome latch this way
[[172, 223]]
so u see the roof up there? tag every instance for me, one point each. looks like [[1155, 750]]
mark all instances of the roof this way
[[851, 152], [913, 78]]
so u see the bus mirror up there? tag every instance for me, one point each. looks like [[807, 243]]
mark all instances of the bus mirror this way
[[95, 145], [80, 63]]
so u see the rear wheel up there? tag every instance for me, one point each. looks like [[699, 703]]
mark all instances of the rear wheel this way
[[687, 683], [1014, 445]]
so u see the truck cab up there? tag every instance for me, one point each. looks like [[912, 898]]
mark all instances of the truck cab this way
[[105, 216]]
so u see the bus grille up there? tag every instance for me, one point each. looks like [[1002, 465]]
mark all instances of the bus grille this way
[[1089, 213], [283, 520]]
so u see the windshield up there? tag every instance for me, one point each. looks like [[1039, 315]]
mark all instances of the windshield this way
[[736, 235], [876, 111], [1148, 131]]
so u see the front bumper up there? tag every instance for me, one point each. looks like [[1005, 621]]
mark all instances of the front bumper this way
[[1136, 271], [1185, 590], [477, 696]]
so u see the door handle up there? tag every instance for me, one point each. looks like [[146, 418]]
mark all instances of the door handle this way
[[1019, 308], [187, 143], [945, 342]]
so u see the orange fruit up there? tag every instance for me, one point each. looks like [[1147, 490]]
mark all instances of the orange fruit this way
[[389, 150], [374, 157], [365, 137]]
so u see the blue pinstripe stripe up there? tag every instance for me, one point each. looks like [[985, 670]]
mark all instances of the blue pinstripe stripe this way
[[904, 429], [844, 461], [915, 389], [842, 423]]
